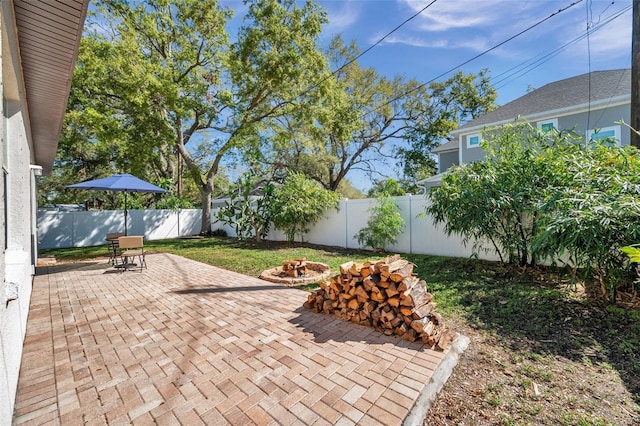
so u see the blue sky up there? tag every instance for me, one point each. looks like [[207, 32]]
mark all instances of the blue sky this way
[[451, 32]]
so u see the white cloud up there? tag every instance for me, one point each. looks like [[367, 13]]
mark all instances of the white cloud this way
[[342, 15], [456, 14], [477, 44]]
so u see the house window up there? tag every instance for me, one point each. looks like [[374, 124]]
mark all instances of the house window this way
[[609, 136], [548, 125], [473, 141]]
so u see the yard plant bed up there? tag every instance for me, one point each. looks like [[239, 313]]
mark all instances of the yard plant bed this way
[[542, 351]]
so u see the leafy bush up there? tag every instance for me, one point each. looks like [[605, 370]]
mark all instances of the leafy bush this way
[[592, 210], [250, 216], [547, 196], [384, 225], [497, 200], [173, 202], [299, 203]]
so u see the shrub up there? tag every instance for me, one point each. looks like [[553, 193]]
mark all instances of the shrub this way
[[592, 210], [299, 203], [384, 225], [547, 196], [250, 216], [497, 200]]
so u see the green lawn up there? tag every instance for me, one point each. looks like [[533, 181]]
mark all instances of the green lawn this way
[[542, 351]]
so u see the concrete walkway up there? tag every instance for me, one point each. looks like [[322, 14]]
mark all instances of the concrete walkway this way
[[187, 343]]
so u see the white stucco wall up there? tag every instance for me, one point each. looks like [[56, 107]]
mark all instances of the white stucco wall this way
[[16, 261]]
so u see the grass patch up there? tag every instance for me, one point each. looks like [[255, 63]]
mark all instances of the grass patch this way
[[538, 346]]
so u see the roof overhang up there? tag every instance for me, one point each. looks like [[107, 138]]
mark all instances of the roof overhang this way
[[49, 35]]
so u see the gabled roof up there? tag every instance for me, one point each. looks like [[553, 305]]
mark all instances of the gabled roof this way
[[598, 89], [451, 145]]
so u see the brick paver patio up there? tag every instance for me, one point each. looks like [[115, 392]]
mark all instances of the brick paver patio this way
[[188, 343]]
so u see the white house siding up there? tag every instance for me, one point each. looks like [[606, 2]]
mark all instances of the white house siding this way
[[17, 258]]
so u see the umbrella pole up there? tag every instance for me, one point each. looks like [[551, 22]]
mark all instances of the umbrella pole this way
[[125, 212]]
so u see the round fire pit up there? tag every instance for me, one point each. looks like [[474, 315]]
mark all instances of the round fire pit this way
[[316, 272]]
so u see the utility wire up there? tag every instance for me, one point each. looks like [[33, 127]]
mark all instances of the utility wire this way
[[482, 53], [349, 62], [589, 24], [533, 63], [384, 37]]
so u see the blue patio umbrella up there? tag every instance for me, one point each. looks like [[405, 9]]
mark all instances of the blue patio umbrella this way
[[119, 183]]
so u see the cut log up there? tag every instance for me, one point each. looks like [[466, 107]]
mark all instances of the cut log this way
[[354, 269], [405, 310], [344, 268], [361, 294], [420, 324], [365, 271], [384, 295], [445, 340], [392, 290], [370, 281], [294, 262], [353, 304], [406, 283], [418, 293], [402, 273], [388, 268], [369, 307], [423, 311]]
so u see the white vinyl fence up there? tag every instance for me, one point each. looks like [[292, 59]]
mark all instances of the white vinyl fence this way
[[337, 228], [59, 229]]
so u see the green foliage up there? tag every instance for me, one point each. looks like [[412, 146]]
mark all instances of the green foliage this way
[[173, 202], [384, 225], [361, 113], [497, 200], [249, 215], [299, 203], [389, 187], [154, 77], [547, 196], [632, 252], [591, 211], [452, 102]]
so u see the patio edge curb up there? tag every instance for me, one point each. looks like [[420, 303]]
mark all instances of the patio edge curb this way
[[430, 391]]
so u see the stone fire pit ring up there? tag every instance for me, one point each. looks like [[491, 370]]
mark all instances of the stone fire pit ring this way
[[318, 272]]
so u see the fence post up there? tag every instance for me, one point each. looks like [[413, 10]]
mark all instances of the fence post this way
[[410, 228], [346, 223]]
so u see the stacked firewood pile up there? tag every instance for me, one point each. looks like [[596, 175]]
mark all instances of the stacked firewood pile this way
[[384, 295], [295, 267]]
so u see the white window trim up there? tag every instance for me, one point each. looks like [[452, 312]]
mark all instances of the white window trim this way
[[615, 129], [479, 135], [553, 122]]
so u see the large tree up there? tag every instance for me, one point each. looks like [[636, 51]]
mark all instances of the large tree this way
[[458, 99], [360, 115], [365, 119], [176, 79]]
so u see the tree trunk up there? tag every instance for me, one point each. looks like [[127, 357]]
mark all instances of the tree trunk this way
[[205, 197]]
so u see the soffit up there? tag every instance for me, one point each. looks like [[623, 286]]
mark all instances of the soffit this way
[[49, 34]]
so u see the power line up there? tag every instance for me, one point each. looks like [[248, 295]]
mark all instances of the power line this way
[[315, 85], [483, 53], [384, 37], [589, 24], [533, 63]]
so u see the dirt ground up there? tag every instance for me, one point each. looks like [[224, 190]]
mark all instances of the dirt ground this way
[[495, 384]]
